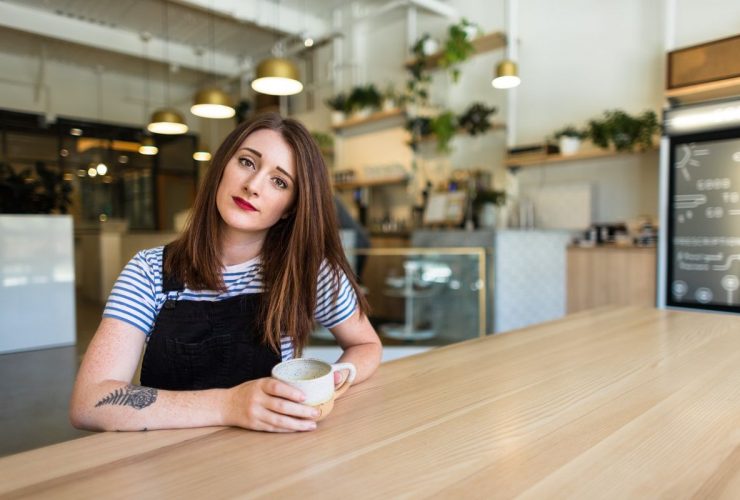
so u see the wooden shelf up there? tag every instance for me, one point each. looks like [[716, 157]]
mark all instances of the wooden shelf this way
[[705, 91], [374, 117], [385, 181], [531, 161], [482, 44]]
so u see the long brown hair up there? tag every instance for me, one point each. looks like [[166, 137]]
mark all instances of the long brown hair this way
[[294, 248]]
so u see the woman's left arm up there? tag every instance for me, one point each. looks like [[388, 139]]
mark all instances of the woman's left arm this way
[[361, 345]]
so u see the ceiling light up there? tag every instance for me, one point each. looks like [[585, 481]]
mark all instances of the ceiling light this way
[[92, 172], [202, 156], [148, 147], [212, 103], [308, 42], [101, 169], [277, 76], [506, 75], [168, 122], [75, 131]]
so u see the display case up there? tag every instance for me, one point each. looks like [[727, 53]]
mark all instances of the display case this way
[[420, 297]]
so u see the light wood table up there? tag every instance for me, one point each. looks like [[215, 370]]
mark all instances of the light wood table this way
[[609, 403]]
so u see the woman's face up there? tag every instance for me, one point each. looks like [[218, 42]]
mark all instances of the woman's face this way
[[258, 185]]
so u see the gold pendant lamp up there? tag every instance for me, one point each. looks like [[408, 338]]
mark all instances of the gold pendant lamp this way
[[212, 102], [277, 76], [167, 120], [507, 72], [506, 76], [148, 146]]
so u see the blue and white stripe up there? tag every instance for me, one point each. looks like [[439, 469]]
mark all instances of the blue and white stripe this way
[[137, 295]]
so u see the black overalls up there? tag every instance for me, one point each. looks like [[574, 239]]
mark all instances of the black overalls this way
[[205, 345]]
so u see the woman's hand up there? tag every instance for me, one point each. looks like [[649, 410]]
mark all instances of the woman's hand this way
[[269, 405]]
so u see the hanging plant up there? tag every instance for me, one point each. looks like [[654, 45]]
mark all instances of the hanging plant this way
[[444, 127], [476, 119], [457, 47], [418, 127]]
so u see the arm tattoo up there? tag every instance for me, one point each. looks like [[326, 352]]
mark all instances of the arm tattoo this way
[[131, 395]]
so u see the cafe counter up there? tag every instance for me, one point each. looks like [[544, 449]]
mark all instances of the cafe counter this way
[[607, 403]]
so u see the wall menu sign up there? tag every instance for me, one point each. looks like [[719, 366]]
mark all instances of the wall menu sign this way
[[703, 266]]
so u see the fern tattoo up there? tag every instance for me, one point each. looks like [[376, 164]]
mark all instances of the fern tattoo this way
[[131, 395]]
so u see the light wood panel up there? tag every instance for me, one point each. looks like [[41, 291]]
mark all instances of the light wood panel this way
[[601, 276], [609, 403]]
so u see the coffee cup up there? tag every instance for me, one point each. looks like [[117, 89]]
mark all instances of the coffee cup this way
[[315, 378]]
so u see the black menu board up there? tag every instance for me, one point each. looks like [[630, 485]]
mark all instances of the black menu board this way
[[704, 221]]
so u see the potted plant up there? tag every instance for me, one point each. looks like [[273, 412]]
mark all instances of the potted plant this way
[[623, 131], [363, 100], [418, 127], [390, 98], [485, 205], [476, 119], [339, 106], [458, 46], [417, 86], [569, 139], [444, 127]]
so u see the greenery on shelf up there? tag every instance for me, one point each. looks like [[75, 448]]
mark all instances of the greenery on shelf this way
[[498, 198], [339, 102], [476, 119], [364, 97], [457, 47], [324, 140], [624, 131], [37, 191], [444, 127], [570, 131], [418, 127]]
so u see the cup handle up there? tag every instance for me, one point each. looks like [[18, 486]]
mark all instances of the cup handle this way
[[338, 391]]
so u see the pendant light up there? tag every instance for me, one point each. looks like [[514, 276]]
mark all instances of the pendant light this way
[[212, 102], [167, 120], [147, 146], [507, 74], [202, 154], [277, 75]]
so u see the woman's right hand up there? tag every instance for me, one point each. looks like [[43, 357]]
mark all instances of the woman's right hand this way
[[269, 405]]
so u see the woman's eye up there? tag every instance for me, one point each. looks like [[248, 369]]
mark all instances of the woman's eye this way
[[246, 162], [280, 183]]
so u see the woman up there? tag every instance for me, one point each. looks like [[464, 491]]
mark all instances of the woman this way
[[238, 292]]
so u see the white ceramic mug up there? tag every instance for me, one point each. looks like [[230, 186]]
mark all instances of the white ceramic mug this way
[[315, 378]]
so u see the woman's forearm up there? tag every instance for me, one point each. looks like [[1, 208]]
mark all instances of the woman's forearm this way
[[365, 357], [115, 405]]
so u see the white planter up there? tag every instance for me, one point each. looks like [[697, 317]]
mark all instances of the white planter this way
[[338, 117], [389, 104], [430, 46], [569, 145], [487, 215], [361, 114]]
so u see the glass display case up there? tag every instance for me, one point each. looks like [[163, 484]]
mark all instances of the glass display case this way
[[422, 297]]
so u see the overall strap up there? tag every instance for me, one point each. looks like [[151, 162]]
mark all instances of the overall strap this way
[[170, 283]]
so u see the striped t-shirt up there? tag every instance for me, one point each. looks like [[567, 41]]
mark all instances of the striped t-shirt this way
[[137, 295]]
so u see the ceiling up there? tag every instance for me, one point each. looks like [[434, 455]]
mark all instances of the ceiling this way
[[183, 33]]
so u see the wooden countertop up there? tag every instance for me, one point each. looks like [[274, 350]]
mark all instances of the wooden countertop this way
[[609, 403]]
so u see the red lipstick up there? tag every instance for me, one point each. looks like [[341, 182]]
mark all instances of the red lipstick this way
[[243, 204]]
